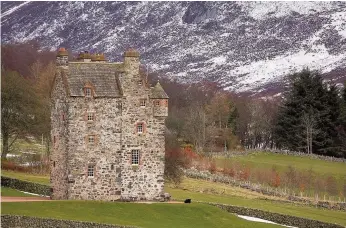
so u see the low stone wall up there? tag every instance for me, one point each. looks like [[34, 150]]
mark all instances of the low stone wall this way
[[230, 154], [206, 175], [277, 218], [18, 221], [25, 186]]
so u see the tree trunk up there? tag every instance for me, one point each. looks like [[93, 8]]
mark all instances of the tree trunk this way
[[5, 139]]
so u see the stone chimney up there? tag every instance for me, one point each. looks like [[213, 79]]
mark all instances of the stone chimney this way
[[62, 57], [84, 56]]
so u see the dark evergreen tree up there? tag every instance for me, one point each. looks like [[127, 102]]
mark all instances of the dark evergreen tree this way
[[309, 116], [341, 128]]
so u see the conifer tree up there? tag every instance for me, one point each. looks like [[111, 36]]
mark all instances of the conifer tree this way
[[308, 119]]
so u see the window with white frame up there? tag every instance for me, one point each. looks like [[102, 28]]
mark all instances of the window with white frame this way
[[91, 139], [140, 128], [88, 92], [90, 116], [143, 102], [135, 157], [91, 170], [157, 102]]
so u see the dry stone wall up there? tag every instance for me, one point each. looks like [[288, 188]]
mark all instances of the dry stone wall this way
[[278, 218], [18, 221]]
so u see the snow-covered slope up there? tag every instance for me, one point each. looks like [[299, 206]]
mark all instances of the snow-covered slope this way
[[245, 46]]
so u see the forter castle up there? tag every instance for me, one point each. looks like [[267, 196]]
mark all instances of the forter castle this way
[[107, 130]]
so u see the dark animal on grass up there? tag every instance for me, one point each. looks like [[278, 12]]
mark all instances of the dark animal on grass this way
[[187, 201]]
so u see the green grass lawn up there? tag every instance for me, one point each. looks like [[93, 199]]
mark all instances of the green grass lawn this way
[[239, 197], [268, 160], [330, 216], [13, 192], [26, 176], [142, 215]]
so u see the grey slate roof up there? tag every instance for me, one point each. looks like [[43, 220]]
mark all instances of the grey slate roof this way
[[102, 76], [158, 92]]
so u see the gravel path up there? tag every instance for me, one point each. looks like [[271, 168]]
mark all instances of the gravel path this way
[[23, 199]]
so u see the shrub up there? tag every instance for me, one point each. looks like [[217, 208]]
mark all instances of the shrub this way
[[212, 167], [174, 164]]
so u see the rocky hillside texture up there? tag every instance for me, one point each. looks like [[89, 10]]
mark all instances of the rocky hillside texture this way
[[245, 46]]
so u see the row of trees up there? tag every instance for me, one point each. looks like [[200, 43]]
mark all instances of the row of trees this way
[[26, 79], [310, 117]]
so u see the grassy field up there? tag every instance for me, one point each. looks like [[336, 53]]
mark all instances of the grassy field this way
[[253, 201], [27, 177], [199, 190], [13, 192], [142, 215], [267, 160]]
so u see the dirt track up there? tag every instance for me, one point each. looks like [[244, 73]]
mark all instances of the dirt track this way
[[23, 199], [35, 198]]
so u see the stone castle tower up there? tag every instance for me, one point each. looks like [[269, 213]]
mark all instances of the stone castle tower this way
[[107, 130]]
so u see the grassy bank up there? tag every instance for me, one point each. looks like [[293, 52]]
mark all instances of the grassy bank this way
[[13, 192], [282, 162], [142, 215], [206, 191]]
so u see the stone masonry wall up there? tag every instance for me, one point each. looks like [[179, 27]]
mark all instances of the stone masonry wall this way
[[144, 181], [104, 154], [18, 221], [161, 109], [114, 129], [59, 130]]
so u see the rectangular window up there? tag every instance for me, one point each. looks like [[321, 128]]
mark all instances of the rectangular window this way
[[157, 102], [91, 139], [140, 83], [140, 128], [119, 104], [90, 116], [88, 92], [135, 157], [91, 170], [143, 102]]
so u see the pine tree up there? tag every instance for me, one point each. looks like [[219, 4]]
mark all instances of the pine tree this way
[[308, 119]]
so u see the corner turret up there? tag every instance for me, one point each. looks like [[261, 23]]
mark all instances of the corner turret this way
[[62, 57], [159, 99]]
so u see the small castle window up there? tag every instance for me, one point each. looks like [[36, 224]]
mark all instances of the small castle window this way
[[157, 102], [91, 170], [135, 157], [140, 83], [88, 92], [143, 102], [140, 128], [112, 167], [119, 104], [91, 139], [90, 116]]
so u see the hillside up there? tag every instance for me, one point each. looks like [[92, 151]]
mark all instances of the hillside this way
[[244, 46]]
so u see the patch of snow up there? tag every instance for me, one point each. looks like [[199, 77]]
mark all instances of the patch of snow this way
[[264, 71], [8, 12], [263, 10], [181, 74], [254, 219], [220, 60], [34, 194], [339, 22]]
